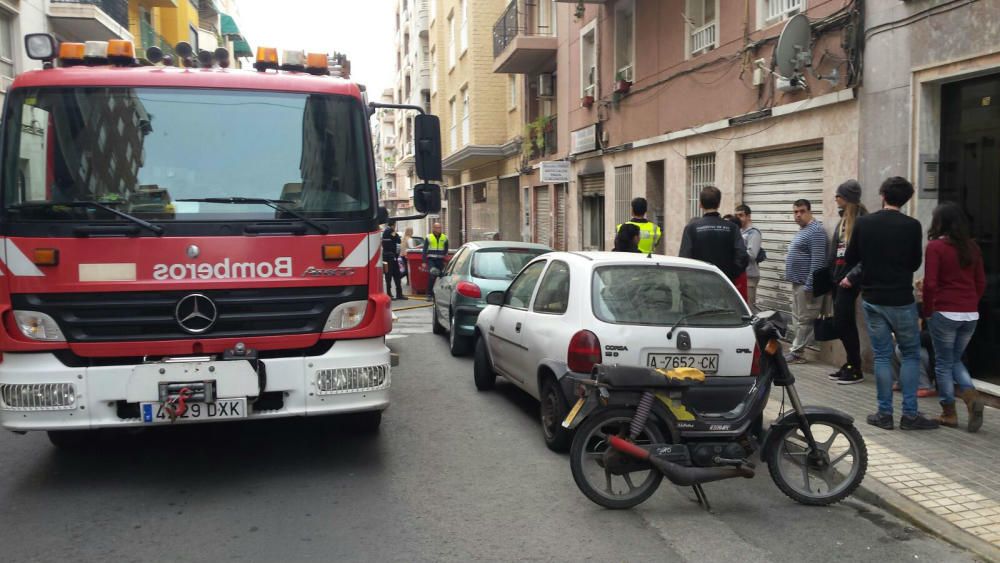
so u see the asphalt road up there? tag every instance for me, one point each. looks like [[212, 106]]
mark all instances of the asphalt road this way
[[453, 474]]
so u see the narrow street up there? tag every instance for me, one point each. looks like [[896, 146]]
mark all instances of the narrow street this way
[[452, 475]]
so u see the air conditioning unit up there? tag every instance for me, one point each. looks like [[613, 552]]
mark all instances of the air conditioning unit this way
[[546, 86]]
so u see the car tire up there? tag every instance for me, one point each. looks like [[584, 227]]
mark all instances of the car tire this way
[[436, 326], [482, 371], [458, 344], [552, 411]]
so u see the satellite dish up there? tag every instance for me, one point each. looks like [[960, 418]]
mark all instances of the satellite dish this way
[[794, 50]]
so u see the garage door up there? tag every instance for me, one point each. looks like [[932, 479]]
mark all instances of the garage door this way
[[543, 218], [561, 195], [772, 181]]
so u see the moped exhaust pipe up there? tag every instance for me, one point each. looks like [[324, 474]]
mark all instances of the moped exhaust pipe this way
[[679, 474]]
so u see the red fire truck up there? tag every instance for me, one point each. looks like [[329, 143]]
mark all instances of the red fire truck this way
[[152, 269]]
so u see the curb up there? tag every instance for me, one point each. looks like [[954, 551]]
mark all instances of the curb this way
[[875, 493]]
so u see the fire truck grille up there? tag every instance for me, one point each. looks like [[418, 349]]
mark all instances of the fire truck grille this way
[[132, 316]]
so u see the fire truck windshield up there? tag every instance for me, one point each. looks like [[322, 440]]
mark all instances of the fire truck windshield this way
[[141, 151]]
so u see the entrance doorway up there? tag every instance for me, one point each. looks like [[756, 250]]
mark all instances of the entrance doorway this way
[[970, 176]]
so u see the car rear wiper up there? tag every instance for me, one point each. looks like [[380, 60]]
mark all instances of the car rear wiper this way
[[272, 203], [703, 313], [87, 203]]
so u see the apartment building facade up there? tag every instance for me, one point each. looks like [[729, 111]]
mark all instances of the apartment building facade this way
[[667, 96], [930, 110], [480, 122]]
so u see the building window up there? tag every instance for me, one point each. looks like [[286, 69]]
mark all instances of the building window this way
[[625, 41], [433, 9], [702, 25], [6, 51], [773, 11], [512, 87], [623, 194], [451, 41], [701, 173], [588, 60], [465, 118], [453, 112], [465, 25]]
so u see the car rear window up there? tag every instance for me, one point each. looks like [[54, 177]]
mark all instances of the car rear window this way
[[502, 263], [661, 296]]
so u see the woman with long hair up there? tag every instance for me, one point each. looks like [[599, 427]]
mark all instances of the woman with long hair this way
[[954, 282], [845, 299]]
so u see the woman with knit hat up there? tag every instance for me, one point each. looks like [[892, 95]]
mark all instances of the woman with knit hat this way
[[848, 200]]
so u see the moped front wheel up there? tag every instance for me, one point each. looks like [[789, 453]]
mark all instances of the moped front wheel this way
[[823, 476], [606, 476]]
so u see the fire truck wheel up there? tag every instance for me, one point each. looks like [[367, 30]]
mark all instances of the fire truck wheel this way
[[71, 440], [366, 422]]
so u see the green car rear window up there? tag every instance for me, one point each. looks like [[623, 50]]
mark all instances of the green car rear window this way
[[502, 263]]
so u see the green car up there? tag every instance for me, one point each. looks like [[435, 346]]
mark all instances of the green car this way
[[477, 269]]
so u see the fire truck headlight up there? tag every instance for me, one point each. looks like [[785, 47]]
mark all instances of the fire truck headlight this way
[[38, 326], [346, 315]]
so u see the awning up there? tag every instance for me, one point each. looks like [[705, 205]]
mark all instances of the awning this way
[[241, 49], [228, 25]]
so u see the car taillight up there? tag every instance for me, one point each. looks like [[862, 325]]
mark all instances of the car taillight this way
[[584, 352], [469, 290], [755, 368]]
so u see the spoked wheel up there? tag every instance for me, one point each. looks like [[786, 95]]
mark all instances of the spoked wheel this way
[[608, 477], [822, 477]]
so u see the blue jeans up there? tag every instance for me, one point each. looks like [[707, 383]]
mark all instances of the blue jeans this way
[[884, 321], [950, 339]]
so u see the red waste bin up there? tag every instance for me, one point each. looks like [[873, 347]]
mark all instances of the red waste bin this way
[[419, 275]]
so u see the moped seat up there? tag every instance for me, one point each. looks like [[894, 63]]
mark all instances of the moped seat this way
[[638, 377]]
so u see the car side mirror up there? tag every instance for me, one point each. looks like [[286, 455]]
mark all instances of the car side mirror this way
[[427, 198], [495, 298], [427, 141]]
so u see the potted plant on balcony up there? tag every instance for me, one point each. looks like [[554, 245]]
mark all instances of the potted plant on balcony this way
[[622, 86], [587, 101]]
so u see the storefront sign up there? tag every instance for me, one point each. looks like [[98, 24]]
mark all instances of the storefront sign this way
[[583, 140], [554, 171]]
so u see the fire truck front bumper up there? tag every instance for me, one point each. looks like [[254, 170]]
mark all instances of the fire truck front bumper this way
[[40, 392]]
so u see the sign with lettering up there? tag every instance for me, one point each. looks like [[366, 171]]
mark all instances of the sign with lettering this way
[[583, 140], [554, 171]]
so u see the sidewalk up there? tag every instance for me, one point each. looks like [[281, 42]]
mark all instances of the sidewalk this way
[[945, 480]]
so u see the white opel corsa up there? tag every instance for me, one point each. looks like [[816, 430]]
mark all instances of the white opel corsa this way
[[567, 311]]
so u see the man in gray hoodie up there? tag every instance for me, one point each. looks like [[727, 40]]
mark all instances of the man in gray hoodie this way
[[753, 239]]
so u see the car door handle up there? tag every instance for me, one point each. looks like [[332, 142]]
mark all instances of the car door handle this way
[[517, 327]]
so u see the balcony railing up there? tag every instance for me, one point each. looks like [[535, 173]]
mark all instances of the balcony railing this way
[[513, 23], [703, 38], [115, 9], [779, 8], [148, 38]]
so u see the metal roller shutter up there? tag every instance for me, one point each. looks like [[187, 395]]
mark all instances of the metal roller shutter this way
[[772, 181], [543, 219], [592, 185]]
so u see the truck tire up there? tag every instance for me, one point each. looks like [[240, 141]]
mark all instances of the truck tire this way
[[71, 440], [366, 422]]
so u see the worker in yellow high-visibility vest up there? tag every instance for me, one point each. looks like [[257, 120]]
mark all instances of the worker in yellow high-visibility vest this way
[[649, 232], [435, 251]]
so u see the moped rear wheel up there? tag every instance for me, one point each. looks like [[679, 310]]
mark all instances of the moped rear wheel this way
[[823, 477], [609, 478]]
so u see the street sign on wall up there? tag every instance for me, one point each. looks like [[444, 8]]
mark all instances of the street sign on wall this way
[[554, 171]]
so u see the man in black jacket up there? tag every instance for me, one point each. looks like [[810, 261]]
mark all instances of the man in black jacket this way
[[889, 247], [390, 260], [712, 239]]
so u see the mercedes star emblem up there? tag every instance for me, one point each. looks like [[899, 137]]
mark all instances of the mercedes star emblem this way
[[193, 251], [196, 313]]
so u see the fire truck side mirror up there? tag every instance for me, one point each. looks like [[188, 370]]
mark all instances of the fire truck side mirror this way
[[427, 137], [383, 215], [427, 198]]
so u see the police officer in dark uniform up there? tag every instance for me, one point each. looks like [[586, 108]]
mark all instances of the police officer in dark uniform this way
[[390, 260]]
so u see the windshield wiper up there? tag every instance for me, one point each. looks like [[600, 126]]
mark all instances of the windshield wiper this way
[[702, 313], [48, 204], [272, 203]]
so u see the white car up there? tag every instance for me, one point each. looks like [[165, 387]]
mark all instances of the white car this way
[[567, 311]]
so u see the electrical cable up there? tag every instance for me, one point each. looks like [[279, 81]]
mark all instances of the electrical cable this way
[[916, 17]]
